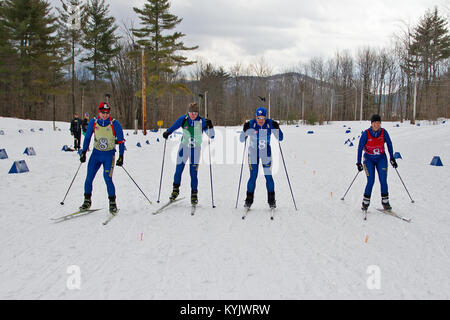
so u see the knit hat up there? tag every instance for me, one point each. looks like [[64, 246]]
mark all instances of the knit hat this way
[[193, 107], [86, 114], [104, 106], [261, 112], [375, 118]]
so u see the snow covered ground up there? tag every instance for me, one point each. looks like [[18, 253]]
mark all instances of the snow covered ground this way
[[322, 251]]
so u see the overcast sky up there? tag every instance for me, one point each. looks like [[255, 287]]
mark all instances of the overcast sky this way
[[283, 32]]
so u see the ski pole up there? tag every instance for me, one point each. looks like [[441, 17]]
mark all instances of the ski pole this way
[[210, 172], [240, 177], [62, 202], [404, 185], [287, 176], [136, 184], [350, 185], [162, 168]]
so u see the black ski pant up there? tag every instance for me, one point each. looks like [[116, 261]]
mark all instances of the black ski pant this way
[[77, 140]]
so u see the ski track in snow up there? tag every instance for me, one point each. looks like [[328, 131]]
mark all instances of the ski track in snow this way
[[317, 252]]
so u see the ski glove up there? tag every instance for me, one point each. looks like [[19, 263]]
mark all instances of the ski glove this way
[[393, 162], [246, 126], [275, 125], [360, 167], [166, 134], [120, 161], [83, 157], [209, 124]]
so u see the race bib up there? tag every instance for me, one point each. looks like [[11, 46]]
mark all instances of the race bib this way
[[103, 144]]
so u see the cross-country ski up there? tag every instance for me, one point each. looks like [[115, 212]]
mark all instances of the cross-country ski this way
[[393, 214], [170, 202], [110, 217], [78, 213]]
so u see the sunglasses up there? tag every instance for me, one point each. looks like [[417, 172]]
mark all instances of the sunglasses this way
[[104, 112], [260, 118]]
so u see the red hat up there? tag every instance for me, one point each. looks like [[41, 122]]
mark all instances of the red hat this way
[[104, 106]]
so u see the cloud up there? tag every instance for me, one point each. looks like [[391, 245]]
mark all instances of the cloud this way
[[283, 31]]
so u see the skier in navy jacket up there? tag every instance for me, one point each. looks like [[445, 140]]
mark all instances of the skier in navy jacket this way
[[193, 127], [107, 133], [372, 142], [259, 131]]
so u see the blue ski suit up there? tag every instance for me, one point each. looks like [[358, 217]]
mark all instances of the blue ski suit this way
[[190, 147], [105, 158], [375, 161], [259, 149]]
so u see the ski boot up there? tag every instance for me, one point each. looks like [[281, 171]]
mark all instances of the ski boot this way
[[365, 203], [385, 202], [194, 198], [87, 202], [175, 192], [112, 205], [271, 200], [249, 201]]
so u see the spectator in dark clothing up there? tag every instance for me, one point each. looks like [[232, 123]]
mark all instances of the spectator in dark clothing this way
[[75, 131]]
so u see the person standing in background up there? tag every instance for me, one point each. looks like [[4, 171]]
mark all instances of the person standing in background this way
[[75, 131]]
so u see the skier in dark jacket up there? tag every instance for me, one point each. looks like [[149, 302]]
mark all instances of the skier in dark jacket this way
[[193, 127], [372, 142], [75, 131], [259, 131], [107, 133]]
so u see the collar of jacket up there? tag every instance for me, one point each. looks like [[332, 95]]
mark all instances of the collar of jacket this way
[[103, 123]]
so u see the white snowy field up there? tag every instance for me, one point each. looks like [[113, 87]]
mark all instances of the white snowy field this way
[[322, 251]]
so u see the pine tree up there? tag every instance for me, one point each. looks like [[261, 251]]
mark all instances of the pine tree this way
[[100, 40], [71, 20], [431, 44], [162, 50], [8, 59], [31, 28]]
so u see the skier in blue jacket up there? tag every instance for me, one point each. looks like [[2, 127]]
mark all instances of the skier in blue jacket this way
[[107, 133], [193, 127], [372, 142], [259, 131]]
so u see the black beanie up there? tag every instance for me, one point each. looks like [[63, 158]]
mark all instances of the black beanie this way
[[375, 118]]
